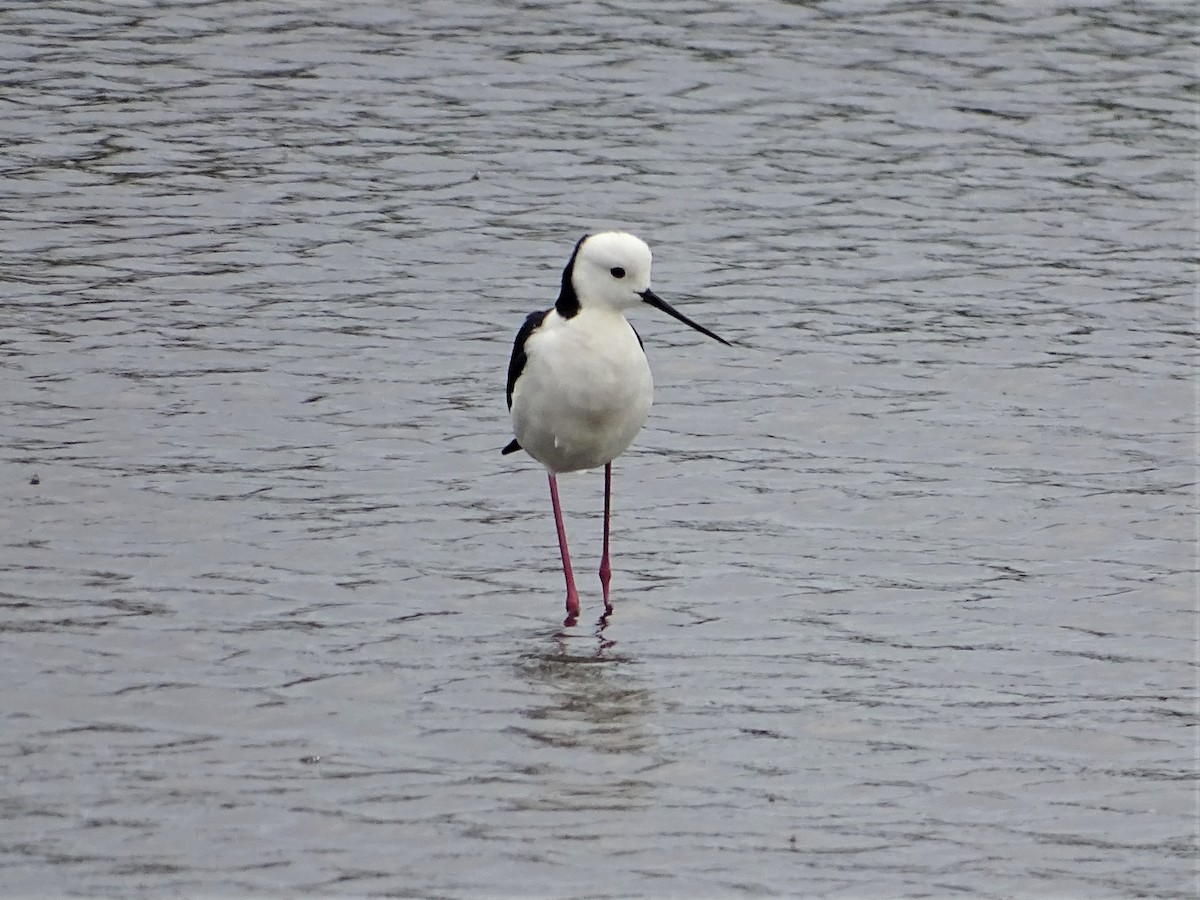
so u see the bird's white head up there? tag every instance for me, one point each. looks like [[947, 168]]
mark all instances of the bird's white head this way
[[611, 269]]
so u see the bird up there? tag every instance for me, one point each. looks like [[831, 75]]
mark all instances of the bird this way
[[579, 385]]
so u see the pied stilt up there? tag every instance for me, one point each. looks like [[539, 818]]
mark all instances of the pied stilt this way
[[579, 386]]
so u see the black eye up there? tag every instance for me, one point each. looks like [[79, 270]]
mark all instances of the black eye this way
[[617, 272]]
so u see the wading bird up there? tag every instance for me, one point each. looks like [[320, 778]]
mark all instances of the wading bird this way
[[579, 386]]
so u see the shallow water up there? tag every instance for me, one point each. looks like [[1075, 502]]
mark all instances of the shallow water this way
[[904, 582]]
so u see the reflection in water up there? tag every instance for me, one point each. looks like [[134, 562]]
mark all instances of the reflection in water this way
[[591, 699], [589, 715]]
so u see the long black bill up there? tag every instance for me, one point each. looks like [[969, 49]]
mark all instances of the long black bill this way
[[659, 303]]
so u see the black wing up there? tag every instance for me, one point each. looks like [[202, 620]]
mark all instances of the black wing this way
[[516, 365]]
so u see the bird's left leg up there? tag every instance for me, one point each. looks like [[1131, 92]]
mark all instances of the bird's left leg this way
[[605, 570]]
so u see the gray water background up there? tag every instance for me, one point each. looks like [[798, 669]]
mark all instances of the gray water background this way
[[904, 582]]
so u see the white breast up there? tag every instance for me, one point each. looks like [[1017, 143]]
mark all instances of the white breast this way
[[585, 390]]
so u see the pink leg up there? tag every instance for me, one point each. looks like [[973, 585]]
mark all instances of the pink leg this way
[[605, 571], [572, 594]]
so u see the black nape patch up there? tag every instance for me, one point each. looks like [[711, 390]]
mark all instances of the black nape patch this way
[[567, 304], [516, 365]]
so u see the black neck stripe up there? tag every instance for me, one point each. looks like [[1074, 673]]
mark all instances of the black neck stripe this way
[[567, 304]]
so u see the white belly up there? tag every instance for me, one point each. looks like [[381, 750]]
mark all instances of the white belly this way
[[585, 391]]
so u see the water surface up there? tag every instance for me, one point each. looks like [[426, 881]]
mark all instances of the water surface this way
[[905, 581]]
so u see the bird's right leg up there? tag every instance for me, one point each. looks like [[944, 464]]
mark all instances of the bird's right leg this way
[[572, 594]]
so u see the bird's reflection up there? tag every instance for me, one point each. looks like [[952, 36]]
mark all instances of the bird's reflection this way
[[587, 693]]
